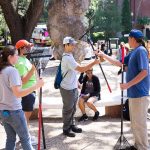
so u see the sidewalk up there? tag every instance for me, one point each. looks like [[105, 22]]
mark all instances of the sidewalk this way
[[53, 96], [99, 135]]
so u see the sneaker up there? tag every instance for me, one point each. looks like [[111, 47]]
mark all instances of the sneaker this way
[[96, 115], [34, 141], [83, 118], [76, 129], [68, 133]]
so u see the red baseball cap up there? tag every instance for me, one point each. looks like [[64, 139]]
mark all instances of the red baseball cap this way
[[23, 43]]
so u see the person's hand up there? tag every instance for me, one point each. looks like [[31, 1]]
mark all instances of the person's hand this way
[[124, 86], [97, 61], [39, 83], [99, 53]]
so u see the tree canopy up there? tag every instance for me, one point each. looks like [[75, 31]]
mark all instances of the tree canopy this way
[[107, 18], [21, 16]]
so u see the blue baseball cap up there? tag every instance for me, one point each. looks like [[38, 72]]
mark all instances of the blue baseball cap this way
[[136, 33]]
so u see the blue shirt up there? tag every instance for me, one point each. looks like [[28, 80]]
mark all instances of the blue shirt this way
[[137, 61]]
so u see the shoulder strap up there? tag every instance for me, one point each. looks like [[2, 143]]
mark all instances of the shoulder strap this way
[[60, 64], [64, 55]]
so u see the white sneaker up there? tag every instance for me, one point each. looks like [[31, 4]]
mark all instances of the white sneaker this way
[[34, 141]]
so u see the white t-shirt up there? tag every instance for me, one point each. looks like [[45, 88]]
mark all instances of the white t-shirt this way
[[68, 65]]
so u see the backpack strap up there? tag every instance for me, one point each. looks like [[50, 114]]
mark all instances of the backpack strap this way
[[60, 64]]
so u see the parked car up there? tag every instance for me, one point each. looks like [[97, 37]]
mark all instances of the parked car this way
[[40, 35]]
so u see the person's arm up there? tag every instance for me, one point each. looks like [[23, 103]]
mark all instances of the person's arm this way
[[83, 95], [81, 78], [84, 85], [87, 67], [135, 80], [18, 92], [27, 77], [109, 58]]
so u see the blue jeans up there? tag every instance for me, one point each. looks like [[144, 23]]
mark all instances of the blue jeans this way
[[15, 123]]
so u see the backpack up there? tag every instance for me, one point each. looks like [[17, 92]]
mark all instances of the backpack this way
[[59, 77], [126, 114]]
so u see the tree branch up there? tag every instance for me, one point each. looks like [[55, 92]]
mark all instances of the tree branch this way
[[32, 16], [13, 20]]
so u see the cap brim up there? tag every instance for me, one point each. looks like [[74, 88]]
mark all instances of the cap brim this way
[[29, 46], [75, 42]]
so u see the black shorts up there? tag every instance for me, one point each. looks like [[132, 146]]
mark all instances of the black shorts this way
[[28, 102]]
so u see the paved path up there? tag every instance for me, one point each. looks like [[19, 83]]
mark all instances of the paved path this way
[[99, 135]]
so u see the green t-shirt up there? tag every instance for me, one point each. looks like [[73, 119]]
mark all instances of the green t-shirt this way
[[24, 66]]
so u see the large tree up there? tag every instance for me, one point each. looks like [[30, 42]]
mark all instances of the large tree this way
[[107, 18], [66, 18], [21, 16]]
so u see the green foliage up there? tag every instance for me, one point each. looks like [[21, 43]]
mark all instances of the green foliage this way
[[97, 36], [143, 20], [3, 25], [44, 16], [107, 18], [22, 6], [126, 17]]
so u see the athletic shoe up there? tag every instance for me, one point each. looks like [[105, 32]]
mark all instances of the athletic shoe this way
[[34, 141], [96, 115], [84, 117], [76, 129], [68, 133]]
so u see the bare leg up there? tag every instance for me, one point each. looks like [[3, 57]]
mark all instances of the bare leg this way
[[81, 104], [90, 104], [28, 115]]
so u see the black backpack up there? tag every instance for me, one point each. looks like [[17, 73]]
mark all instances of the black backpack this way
[[126, 114]]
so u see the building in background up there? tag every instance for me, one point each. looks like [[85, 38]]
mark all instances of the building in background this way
[[140, 12]]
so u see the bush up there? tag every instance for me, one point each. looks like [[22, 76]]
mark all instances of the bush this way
[[97, 36]]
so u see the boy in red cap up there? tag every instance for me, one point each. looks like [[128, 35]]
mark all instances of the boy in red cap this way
[[27, 72]]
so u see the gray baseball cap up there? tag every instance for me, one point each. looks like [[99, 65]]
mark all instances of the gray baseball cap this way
[[69, 40]]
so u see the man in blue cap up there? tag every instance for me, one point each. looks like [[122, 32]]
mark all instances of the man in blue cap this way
[[137, 85]]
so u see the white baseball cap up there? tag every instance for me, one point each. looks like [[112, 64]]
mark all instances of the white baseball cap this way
[[69, 40]]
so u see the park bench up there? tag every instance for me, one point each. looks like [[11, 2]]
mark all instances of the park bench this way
[[111, 102]]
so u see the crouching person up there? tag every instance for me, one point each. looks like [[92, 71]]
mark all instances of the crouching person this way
[[90, 93]]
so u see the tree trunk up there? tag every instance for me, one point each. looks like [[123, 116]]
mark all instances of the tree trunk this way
[[66, 19], [21, 27]]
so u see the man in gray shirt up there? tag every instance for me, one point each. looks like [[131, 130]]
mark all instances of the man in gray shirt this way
[[69, 85]]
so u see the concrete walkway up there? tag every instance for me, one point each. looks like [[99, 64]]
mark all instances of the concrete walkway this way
[[99, 135]]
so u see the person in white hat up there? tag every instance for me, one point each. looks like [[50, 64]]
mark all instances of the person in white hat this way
[[69, 85]]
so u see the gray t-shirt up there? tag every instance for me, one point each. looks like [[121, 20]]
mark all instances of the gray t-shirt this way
[[68, 65], [9, 77]]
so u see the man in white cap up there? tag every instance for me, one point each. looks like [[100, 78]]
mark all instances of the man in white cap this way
[[69, 85]]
